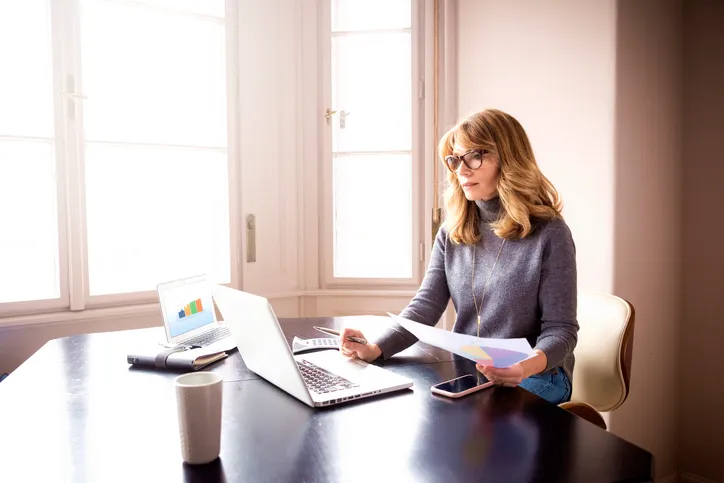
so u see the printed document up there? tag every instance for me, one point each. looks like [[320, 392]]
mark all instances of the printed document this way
[[484, 351]]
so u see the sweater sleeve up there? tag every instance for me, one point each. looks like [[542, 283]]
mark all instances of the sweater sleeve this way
[[428, 304], [557, 295]]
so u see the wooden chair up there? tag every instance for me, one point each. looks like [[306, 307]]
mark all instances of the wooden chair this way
[[602, 372]]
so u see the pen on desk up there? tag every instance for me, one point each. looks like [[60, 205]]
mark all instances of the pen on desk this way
[[338, 333]]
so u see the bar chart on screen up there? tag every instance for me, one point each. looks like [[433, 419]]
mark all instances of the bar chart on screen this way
[[191, 308], [189, 313]]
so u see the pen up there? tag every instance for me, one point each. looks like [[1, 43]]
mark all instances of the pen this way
[[338, 333]]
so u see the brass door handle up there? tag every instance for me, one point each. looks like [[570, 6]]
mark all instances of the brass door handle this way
[[329, 113]]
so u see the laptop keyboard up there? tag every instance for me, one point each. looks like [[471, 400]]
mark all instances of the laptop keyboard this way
[[208, 337], [322, 381]]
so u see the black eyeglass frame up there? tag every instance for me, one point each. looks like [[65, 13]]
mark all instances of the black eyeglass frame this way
[[461, 159]]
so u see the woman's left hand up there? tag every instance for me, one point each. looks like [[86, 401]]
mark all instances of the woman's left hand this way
[[514, 375], [509, 376]]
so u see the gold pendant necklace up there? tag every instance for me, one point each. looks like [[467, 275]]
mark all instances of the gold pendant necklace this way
[[485, 285]]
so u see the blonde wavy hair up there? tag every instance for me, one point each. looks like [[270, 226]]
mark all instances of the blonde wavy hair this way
[[525, 193]]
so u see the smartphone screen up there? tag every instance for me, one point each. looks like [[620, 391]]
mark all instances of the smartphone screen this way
[[462, 383]]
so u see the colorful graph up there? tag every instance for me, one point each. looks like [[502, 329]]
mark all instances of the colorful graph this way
[[489, 356], [191, 308]]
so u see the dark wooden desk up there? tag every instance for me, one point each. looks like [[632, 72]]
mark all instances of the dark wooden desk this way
[[75, 412]]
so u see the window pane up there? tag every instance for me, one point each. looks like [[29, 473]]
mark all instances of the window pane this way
[[29, 214], [164, 84], [26, 79], [372, 81], [155, 214], [370, 14], [372, 216]]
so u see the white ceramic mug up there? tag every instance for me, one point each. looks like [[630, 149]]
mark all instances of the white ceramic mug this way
[[198, 397]]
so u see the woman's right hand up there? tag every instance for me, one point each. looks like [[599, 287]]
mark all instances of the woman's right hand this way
[[367, 352]]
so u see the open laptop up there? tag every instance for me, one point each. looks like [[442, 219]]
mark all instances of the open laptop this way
[[189, 317], [317, 379]]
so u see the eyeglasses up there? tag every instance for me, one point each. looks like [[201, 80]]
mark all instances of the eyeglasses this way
[[473, 159]]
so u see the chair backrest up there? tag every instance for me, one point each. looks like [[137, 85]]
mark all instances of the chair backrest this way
[[603, 354]]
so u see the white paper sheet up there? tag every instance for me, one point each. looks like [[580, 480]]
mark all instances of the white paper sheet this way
[[485, 351]]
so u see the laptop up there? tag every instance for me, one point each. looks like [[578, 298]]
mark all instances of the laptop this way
[[189, 318], [317, 379]]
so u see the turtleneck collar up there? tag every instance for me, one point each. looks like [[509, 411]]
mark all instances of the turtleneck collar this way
[[489, 210]]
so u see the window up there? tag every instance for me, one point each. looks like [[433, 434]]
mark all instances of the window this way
[[113, 149], [373, 196], [28, 189]]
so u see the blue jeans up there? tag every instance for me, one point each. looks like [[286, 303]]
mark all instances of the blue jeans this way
[[553, 386]]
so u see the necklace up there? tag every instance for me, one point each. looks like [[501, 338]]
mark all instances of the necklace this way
[[485, 285]]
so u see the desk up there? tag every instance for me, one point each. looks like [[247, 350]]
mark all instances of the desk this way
[[76, 412]]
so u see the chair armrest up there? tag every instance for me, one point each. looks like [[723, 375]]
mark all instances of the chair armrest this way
[[585, 411]]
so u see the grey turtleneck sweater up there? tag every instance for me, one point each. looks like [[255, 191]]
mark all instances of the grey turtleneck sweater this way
[[531, 293]]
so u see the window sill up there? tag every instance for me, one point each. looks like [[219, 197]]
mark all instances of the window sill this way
[[153, 309]]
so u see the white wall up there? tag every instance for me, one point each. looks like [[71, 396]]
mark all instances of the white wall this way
[[595, 85], [551, 64]]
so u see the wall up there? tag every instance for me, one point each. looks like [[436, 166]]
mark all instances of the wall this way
[[551, 64], [599, 100], [702, 325], [647, 228]]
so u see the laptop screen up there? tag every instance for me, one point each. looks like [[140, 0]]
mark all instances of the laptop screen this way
[[186, 305]]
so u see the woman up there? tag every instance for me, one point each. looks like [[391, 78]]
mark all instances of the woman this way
[[504, 255]]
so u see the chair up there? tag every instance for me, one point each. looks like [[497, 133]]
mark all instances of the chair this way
[[602, 372]]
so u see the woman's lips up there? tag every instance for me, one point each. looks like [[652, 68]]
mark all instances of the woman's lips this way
[[468, 185]]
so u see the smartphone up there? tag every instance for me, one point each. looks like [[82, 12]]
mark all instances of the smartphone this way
[[461, 386]]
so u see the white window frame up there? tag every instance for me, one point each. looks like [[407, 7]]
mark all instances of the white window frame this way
[[72, 244], [326, 245]]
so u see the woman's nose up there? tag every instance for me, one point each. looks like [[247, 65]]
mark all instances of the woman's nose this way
[[462, 169]]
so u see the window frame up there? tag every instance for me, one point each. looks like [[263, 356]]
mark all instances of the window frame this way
[[326, 226], [69, 161]]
